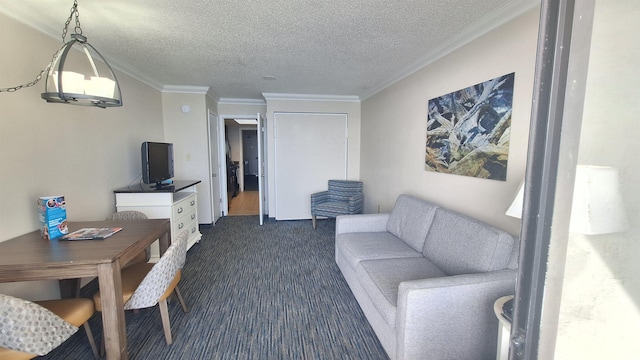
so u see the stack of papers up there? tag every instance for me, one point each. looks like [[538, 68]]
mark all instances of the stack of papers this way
[[91, 233]]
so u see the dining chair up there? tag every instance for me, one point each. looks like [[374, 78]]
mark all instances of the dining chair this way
[[146, 284], [33, 328], [131, 215]]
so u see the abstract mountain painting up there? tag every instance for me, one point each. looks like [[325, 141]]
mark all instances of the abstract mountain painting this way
[[468, 130]]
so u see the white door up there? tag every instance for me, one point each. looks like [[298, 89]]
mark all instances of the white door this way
[[214, 167], [261, 137], [310, 149]]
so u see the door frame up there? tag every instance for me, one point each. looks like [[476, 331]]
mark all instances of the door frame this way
[[242, 131], [557, 105], [222, 153], [214, 166]]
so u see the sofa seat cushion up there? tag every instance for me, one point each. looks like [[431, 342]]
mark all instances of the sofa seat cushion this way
[[410, 220], [459, 244], [381, 278], [368, 246]]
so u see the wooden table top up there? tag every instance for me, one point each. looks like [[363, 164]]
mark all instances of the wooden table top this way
[[31, 257]]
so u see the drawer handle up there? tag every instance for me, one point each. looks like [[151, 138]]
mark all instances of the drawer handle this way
[[180, 210], [193, 216], [193, 229], [193, 202], [180, 226]]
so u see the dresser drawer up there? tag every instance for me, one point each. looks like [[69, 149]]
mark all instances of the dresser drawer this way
[[184, 206], [180, 223]]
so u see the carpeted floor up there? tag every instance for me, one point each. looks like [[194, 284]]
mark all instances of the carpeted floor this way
[[254, 292]]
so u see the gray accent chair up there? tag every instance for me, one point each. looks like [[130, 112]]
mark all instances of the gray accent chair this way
[[426, 278], [343, 197]]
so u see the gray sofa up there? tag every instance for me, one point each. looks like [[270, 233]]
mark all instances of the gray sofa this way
[[426, 278]]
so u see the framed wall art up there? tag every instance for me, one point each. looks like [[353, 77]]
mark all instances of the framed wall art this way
[[468, 130]]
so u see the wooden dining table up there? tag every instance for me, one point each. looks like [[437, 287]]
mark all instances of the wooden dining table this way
[[31, 257]]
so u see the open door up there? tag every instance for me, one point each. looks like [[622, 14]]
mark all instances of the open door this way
[[261, 167], [214, 166]]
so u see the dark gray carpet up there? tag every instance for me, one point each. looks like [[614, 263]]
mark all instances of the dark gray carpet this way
[[254, 292]]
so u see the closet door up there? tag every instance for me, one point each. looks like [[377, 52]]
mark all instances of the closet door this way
[[310, 148]]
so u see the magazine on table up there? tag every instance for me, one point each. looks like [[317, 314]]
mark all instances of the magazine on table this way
[[91, 233]]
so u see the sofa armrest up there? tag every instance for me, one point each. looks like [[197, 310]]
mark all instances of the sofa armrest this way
[[451, 317], [361, 223]]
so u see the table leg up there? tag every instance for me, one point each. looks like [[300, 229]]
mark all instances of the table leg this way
[[113, 322], [164, 242], [69, 288]]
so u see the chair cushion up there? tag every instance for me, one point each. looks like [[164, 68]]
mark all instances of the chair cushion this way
[[410, 220], [332, 208], [8, 354], [132, 276], [131, 279], [459, 244], [75, 311], [45, 330]]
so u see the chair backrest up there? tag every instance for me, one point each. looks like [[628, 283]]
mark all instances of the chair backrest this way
[[28, 327], [127, 216], [342, 190], [156, 282]]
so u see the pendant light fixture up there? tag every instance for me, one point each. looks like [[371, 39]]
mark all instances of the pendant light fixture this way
[[78, 74]]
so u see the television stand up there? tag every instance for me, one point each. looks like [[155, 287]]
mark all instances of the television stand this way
[[177, 202]]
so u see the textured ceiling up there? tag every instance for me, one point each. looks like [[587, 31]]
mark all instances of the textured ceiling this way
[[329, 47]]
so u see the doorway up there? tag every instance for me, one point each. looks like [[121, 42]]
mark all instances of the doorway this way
[[242, 148], [250, 159]]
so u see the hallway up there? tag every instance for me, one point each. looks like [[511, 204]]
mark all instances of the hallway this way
[[245, 203]]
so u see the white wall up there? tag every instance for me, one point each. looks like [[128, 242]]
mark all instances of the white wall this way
[[190, 135], [394, 127], [600, 306], [80, 152], [314, 104]]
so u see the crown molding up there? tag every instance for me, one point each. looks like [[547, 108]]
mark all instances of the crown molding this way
[[182, 89], [509, 11], [311, 97], [238, 101]]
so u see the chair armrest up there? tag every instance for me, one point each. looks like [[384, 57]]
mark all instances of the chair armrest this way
[[356, 203], [361, 223], [452, 316], [319, 197]]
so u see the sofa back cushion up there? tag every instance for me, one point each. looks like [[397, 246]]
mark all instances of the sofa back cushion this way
[[459, 244], [410, 220]]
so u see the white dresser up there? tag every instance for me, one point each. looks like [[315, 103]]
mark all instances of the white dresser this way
[[178, 202]]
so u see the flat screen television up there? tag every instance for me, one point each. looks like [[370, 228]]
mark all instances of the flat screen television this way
[[157, 162]]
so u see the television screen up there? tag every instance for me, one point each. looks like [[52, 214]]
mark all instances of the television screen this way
[[157, 162]]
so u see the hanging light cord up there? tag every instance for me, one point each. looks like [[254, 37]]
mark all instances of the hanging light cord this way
[[77, 29]]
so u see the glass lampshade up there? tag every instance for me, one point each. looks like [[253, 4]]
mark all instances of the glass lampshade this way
[[81, 77]]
